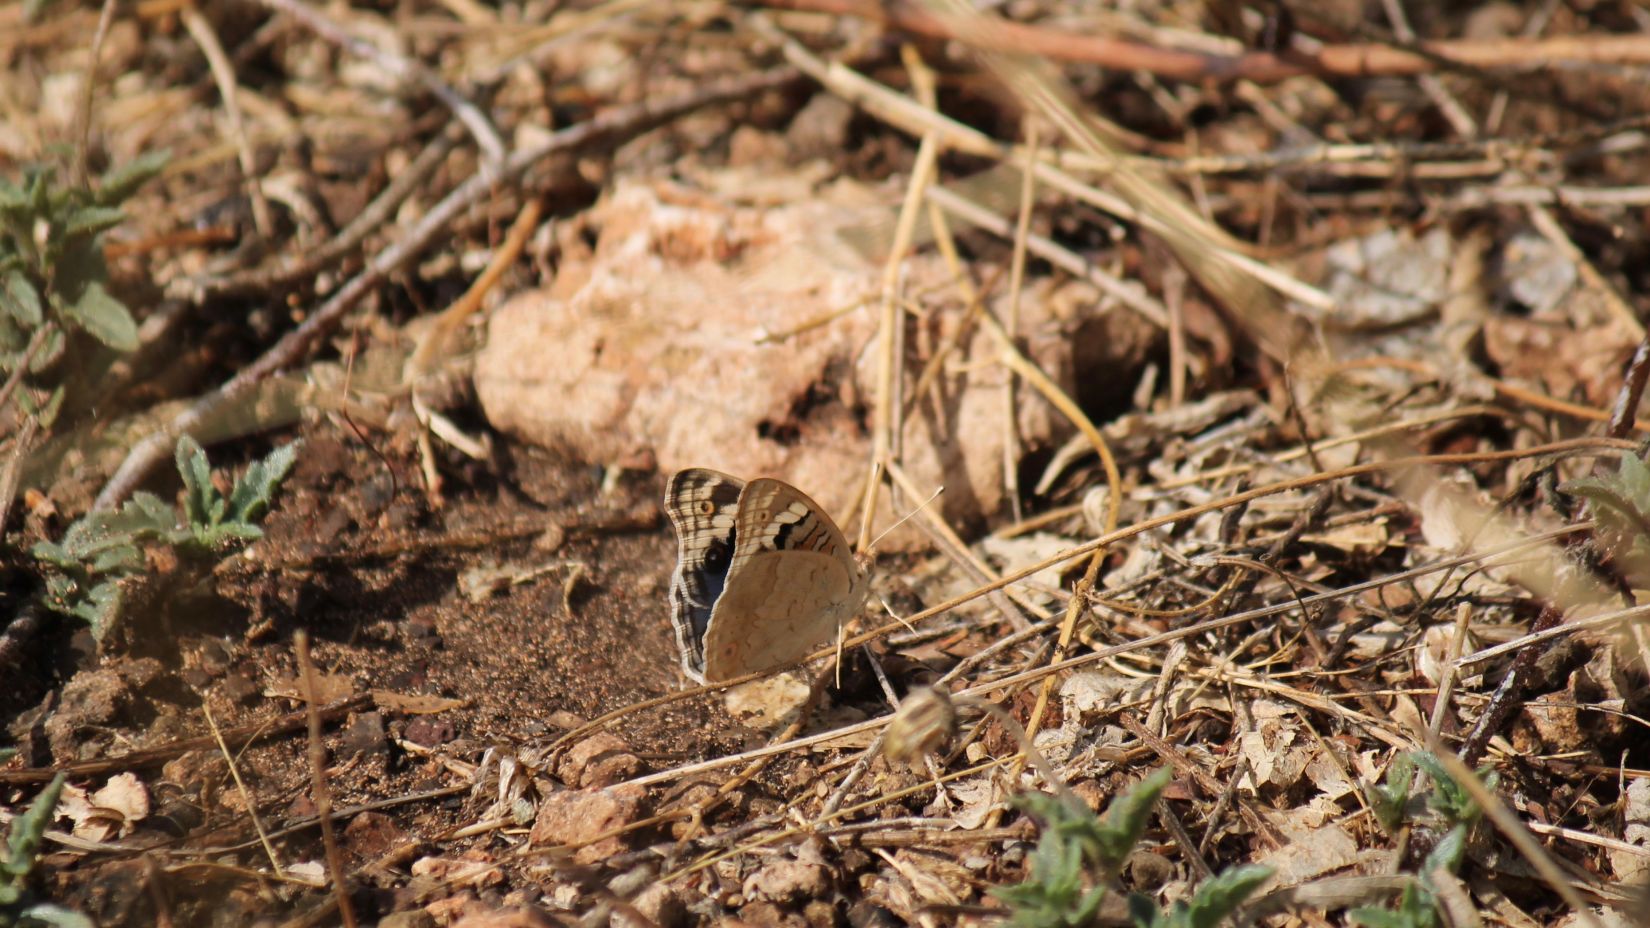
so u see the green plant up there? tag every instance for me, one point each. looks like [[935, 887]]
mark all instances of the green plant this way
[[1620, 505], [1450, 799], [87, 568], [17, 905], [1455, 806], [1059, 893], [1389, 798], [1418, 904], [1416, 909], [1216, 898], [53, 278], [1455, 809], [1056, 894]]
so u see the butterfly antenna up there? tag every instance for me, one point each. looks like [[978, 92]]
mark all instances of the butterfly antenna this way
[[841, 637], [872, 547]]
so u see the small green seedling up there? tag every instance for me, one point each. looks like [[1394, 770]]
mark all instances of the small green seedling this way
[[1450, 799], [1218, 897], [100, 552], [1060, 891], [1454, 807], [18, 907], [1389, 798]]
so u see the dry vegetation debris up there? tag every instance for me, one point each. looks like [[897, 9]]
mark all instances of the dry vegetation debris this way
[[1281, 366]]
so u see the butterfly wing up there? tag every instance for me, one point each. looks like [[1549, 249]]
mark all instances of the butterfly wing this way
[[702, 505], [791, 584]]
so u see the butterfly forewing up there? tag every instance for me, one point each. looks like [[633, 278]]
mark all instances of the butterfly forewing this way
[[702, 505]]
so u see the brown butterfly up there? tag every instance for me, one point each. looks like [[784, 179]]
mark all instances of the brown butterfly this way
[[763, 576]]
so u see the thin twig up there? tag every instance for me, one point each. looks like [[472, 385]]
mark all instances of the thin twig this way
[[245, 793], [83, 106], [1625, 411], [292, 269], [223, 73], [319, 792], [1349, 60]]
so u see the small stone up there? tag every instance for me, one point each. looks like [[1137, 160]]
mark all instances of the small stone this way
[[371, 835], [788, 881], [365, 735], [660, 905], [302, 807], [214, 657], [428, 732], [576, 817], [566, 721], [422, 630], [597, 761], [241, 689]]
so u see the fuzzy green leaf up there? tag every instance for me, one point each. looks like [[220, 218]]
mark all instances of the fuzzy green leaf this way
[[88, 221], [1620, 505], [1144, 913], [48, 353], [147, 512], [21, 300], [100, 607], [12, 198], [250, 498], [120, 559], [198, 492], [1053, 896], [102, 316], [1126, 818], [1389, 798], [1416, 909], [123, 181], [1369, 917], [1448, 853], [1219, 896], [1449, 798], [45, 913], [12, 342], [38, 197], [23, 843]]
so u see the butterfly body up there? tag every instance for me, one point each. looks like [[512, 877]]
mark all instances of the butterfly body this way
[[763, 576]]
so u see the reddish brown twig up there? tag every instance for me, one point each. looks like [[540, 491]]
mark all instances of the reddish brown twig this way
[[1350, 60], [1624, 412], [319, 792]]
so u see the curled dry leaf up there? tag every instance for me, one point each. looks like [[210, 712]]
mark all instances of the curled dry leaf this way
[[111, 811]]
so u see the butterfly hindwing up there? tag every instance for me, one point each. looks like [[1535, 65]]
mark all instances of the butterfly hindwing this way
[[703, 505]]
